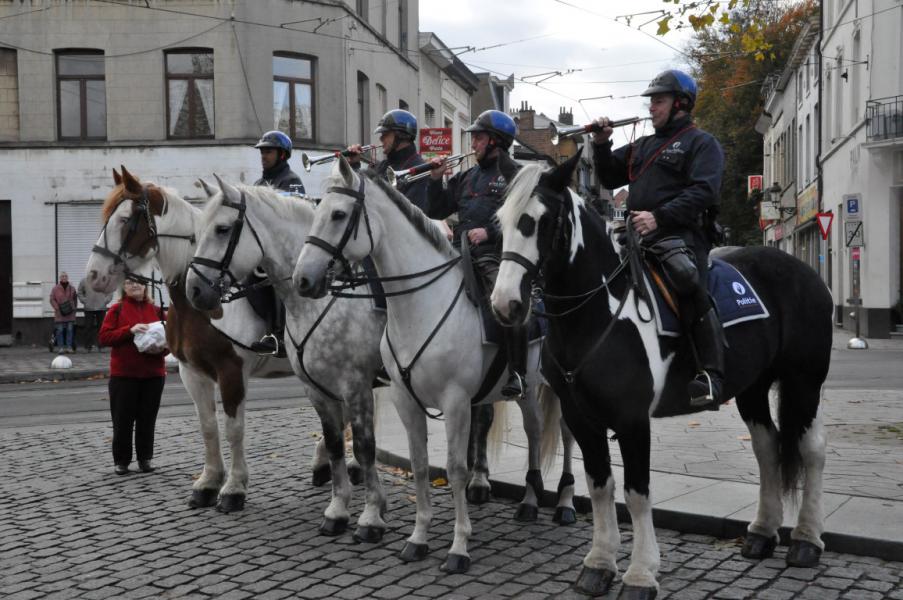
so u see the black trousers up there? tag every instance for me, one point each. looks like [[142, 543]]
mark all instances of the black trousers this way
[[134, 403], [93, 321]]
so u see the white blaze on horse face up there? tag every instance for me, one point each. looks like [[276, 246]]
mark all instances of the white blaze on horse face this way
[[507, 283], [577, 208]]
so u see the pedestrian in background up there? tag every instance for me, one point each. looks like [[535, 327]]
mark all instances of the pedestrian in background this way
[[64, 300], [136, 378], [95, 307]]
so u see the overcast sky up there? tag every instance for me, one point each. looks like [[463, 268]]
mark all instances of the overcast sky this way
[[615, 59]]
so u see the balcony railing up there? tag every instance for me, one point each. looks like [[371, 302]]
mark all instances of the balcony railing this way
[[885, 118]]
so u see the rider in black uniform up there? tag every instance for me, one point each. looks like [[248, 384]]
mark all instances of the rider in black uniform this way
[[397, 131], [476, 195], [675, 180], [275, 150]]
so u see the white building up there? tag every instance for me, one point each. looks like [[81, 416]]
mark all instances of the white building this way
[[856, 131], [179, 89]]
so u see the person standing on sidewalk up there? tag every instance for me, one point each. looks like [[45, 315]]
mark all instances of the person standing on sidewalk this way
[[64, 300], [95, 307], [136, 378]]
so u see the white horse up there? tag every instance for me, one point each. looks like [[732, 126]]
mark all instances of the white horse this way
[[433, 346], [148, 222], [337, 340]]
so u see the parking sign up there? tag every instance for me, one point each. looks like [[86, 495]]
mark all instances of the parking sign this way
[[852, 206]]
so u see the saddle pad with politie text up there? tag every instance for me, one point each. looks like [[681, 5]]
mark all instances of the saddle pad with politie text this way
[[735, 300]]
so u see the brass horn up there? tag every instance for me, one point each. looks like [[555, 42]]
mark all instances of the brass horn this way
[[419, 172], [308, 162], [559, 134]]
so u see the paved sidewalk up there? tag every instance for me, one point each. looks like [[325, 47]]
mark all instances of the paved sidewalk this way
[[71, 529], [705, 476], [32, 363]]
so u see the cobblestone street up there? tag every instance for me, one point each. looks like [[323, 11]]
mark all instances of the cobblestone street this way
[[70, 528]]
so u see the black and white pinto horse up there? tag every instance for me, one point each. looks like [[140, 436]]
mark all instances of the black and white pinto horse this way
[[432, 347], [613, 372]]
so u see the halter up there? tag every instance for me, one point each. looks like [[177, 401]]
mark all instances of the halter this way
[[336, 252], [535, 270], [219, 284], [121, 256]]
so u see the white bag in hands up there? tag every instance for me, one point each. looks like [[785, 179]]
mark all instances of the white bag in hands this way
[[153, 340]]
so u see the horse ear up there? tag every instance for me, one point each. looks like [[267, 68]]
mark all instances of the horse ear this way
[[117, 178], [560, 177], [208, 189], [345, 170], [229, 191], [130, 181]]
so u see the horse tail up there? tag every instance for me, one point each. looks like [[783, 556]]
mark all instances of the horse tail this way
[[498, 433], [551, 429], [800, 395]]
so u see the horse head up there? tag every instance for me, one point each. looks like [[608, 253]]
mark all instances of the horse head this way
[[342, 231], [129, 235], [538, 230], [223, 256]]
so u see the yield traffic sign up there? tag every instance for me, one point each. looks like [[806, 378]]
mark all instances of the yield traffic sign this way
[[824, 223]]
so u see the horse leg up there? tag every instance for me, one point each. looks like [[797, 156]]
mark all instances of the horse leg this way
[[600, 564], [232, 386], [370, 525], [202, 391], [762, 533], [478, 488], [457, 431], [335, 517], [355, 471], [528, 509], [319, 464], [640, 578], [565, 514], [414, 420], [801, 423]]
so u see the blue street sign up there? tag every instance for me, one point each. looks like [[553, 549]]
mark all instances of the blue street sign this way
[[852, 205]]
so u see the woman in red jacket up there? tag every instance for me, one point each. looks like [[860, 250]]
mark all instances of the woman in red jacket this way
[[136, 378]]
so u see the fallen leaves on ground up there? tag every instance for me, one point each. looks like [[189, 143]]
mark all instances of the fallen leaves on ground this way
[[440, 482], [693, 424]]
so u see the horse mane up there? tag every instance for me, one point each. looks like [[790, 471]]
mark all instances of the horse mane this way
[[117, 196], [517, 198], [286, 207], [414, 215]]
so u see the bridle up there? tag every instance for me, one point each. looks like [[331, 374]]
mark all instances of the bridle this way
[[351, 229], [226, 280], [143, 212]]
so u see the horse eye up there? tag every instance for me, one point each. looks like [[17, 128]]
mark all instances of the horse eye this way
[[338, 215], [222, 229]]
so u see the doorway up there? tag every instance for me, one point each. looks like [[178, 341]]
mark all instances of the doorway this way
[[6, 273]]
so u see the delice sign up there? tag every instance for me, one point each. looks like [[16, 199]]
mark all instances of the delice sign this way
[[436, 141], [753, 182]]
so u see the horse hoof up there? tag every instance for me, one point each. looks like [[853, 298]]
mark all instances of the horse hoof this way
[[803, 554], [414, 552], [356, 474], [565, 515], [333, 527], [367, 534], [632, 592], [594, 582], [456, 563], [203, 498], [477, 495], [230, 503], [758, 546], [526, 513], [321, 475]]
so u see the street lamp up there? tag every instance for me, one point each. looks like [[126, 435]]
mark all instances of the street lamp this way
[[774, 195]]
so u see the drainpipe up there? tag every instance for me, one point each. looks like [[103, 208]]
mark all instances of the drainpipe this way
[[821, 111]]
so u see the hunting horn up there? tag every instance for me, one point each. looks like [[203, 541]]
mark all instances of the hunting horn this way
[[559, 134], [308, 162], [419, 172]]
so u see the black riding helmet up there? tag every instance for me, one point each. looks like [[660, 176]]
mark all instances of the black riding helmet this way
[[674, 82], [400, 121], [500, 126]]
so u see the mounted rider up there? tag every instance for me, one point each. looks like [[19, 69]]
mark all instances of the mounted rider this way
[[397, 131], [275, 150], [476, 195], [675, 180]]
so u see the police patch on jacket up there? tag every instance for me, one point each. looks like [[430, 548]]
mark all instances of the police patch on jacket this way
[[497, 186]]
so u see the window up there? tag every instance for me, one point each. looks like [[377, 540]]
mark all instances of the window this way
[[429, 115], [81, 95], [383, 16], [853, 70], [402, 104], [382, 99], [293, 95], [799, 87], [403, 25], [363, 107], [361, 8], [189, 94], [838, 99], [9, 97]]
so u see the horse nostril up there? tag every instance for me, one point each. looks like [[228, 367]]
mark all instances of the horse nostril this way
[[514, 307], [195, 292], [304, 285]]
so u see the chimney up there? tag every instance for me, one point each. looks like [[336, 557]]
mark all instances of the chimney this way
[[565, 116], [527, 113]]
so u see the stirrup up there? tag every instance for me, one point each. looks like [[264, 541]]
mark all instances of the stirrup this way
[[707, 398], [509, 391], [263, 349]]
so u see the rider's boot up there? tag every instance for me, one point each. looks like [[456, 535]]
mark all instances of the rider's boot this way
[[271, 343], [705, 388], [516, 344]]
